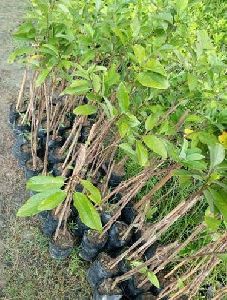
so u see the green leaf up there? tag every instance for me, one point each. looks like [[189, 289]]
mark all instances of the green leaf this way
[[136, 264], [155, 66], [123, 126], [98, 5], [132, 120], [207, 138], [111, 76], [142, 153], [52, 201], [95, 194], [96, 81], [140, 53], [85, 110], [43, 183], [195, 156], [78, 87], [153, 80], [153, 279], [182, 172], [42, 77], [183, 153], [217, 155], [156, 144], [211, 221], [123, 97], [63, 8], [127, 148], [220, 201], [181, 5], [51, 49], [87, 212], [19, 52], [196, 164], [31, 207], [151, 121], [135, 27], [192, 82], [151, 211]]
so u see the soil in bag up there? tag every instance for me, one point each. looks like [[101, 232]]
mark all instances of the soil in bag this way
[[80, 228], [62, 247], [55, 156], [30, 171], [91, 244], [48, 224], [116, 234], [105, 291], [13, 115], [100, 270], [130, 286], [128, 213]]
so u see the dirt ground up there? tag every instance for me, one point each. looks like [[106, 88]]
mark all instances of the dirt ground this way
[[26, 270]]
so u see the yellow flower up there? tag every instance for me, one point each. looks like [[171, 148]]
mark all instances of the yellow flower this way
[[188, 131], [223, 139]]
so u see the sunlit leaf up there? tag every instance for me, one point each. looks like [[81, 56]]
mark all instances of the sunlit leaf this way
[[87, 212], [153, 279], [153, 80], [142, 154], [155, 144], [217, 155], [95, 194], [85, 110], [42, 183], [123, 97]]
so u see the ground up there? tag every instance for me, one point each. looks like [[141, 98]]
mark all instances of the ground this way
[[26, 270]]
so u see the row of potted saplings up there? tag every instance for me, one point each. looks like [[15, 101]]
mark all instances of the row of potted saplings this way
[[95, 248]]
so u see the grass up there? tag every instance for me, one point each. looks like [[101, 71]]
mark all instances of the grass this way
[[32, 274], [183, 227]]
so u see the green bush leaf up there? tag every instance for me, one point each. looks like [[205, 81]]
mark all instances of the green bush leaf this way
[[111, 76], [19, 52], [123, 126], [153, 279], [127, 148], [42, 77], [137, 263], [142, 153], [52, 201], [123, 97], [87, 212], [78, 87], [217, 155], [31, 207], [155, 144], [85, 110], [42, 183], [155, 66], [181, 5], [95, 194], [211, 221], [140, 53], [153, 80], [207, 138], [195, 156], [151, 121], [192, 82], [182, 172], [220, 201], [96, 82]]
